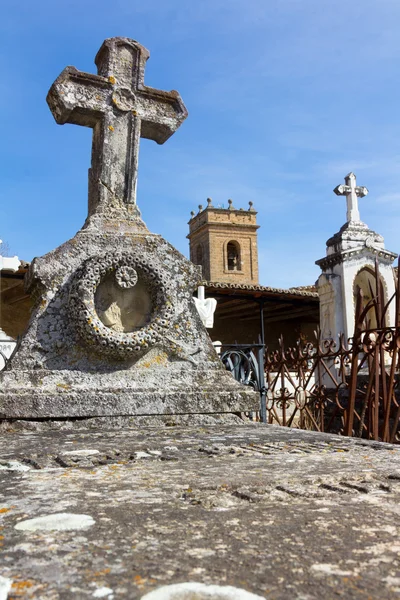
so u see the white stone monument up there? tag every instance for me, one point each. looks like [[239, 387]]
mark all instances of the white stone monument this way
[[349, 264], [205, 307]]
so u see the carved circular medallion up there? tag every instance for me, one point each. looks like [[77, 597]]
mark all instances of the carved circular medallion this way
[[124, 99], [120, 304], [126, 277]]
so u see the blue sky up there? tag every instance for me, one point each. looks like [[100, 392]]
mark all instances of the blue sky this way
[[285, 97]]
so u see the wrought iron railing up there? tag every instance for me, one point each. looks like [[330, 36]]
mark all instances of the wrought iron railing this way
[[246, 363], [351, 387]]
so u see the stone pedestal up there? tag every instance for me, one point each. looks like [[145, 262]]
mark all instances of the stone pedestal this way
[[115, 331]]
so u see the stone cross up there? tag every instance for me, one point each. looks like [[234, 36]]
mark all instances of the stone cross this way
[[120, 109], [352, 193]]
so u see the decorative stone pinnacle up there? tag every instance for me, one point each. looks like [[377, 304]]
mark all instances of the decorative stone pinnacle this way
[[200, 207], [192, 214], [230, 203], [352, 193], [120, 109], [251, 205], [209, 202]]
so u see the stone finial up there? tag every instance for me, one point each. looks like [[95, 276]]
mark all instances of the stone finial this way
[[209, 202], [251, 205], [230, 204], [120, 109], [352, 193], [192, 213], [200, 208]]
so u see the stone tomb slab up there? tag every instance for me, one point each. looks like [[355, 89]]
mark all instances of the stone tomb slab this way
[[278, 512]]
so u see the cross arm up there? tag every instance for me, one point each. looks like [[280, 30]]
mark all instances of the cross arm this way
[[161, 113], [78, 98], [342, 190], [361, 191]]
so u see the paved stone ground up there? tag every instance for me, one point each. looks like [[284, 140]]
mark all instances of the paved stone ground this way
[[279, 512]]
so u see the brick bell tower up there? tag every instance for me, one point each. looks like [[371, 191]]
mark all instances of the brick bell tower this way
[[224, 242]]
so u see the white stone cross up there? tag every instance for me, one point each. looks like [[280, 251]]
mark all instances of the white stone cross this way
[[352, 193], [121, 110]]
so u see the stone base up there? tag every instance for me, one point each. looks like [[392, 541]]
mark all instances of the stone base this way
[[115, 332], [124, 423], [41, 394]]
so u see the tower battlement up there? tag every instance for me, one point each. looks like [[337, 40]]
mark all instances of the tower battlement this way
[[223, 241]]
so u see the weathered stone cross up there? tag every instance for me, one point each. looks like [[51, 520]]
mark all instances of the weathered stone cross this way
[[120, 109], [352, 193]]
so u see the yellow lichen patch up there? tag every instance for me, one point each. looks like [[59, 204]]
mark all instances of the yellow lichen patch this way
[[111, 79], [159, 359], [139, 581], [20, 586], [111, 128], [64, 386], [102, 572], [134, 112], [4, 510]]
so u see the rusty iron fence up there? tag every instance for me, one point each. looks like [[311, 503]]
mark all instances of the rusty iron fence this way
[[350, 387]]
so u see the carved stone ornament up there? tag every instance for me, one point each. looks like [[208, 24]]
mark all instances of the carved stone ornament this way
[[120, 304], [369, 241], [124, 99], [126, 277]]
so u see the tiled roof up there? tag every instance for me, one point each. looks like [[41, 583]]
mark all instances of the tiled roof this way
[[260, 288], [23, 267], [304, 288]]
